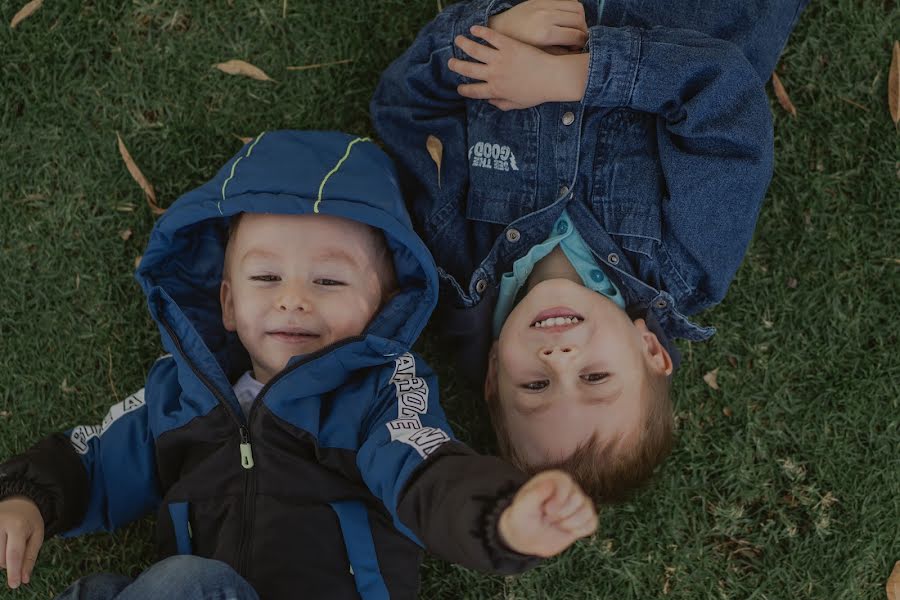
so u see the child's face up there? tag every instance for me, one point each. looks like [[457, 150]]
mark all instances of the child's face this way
[[559, 385], [294, 284]]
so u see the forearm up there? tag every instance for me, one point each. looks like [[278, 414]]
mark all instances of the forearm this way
[[454, 504]]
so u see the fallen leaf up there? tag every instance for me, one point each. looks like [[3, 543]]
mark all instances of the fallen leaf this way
[[894, 84], [768, 324], [245, 140], [733, 362], [711, 378], [783, 99], [320, 65], [137, 261], [125, 234], [436, 150], [727, 411], [25, 12], [5, 413], [792, 283], [893, 583], [139, 177], [240, 67], [66, 389]]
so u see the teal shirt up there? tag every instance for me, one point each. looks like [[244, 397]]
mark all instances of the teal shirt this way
[[579, 254]]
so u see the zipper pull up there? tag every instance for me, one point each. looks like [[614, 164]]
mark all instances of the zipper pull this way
[[246, 453]]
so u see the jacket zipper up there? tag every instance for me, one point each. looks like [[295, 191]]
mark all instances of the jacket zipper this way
[[249, 500]]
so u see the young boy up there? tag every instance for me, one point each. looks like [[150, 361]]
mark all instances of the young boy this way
[[585, 184], [296, 274]]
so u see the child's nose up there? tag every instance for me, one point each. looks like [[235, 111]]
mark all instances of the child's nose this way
[[557, 353], [293, 298]]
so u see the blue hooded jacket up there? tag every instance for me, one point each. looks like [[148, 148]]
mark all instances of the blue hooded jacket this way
[[345, 464]]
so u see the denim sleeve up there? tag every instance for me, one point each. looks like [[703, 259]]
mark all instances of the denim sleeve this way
[[416, 98], [714, 135]]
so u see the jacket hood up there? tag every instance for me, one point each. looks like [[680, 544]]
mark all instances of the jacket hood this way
[[283, 172]]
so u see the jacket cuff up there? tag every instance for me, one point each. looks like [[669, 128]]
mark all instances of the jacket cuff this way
[[503, 558], [615, 57], [476, 13]]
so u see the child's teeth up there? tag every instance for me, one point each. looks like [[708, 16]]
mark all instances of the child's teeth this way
[[557, 321]]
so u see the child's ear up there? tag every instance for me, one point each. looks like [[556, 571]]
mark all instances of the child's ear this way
[[654, 352], [490, 380], [226, 298]]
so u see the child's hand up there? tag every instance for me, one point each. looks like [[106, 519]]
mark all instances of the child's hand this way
[[547, 515], [544, 23], [21, 537], [516, 75]]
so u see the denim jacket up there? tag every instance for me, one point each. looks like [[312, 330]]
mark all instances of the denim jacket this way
[[662, 165]]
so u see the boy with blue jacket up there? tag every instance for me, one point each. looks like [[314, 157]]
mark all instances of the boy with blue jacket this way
[[290, 432], [587, 182]]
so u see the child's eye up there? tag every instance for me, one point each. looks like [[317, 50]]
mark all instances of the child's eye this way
[[536, 386], [594, 377], [324, 281], [265, 278]]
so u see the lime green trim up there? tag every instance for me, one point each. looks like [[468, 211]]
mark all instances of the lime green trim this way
[[335, 170], [234, 166]]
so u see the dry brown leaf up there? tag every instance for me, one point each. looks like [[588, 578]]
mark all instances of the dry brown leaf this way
[[5, 413], [727, 411], [240, 67], [792, 283], [733, 362], [893, 583], [25, 12], [711, 378], [768, 324], [125, 234], [137, 261], [436, 151], [320, 65], [139, 177], [66, 389], [245, 140], [894, 84], [783, 99]]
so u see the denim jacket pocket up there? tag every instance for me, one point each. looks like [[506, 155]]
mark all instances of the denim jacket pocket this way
[[502, 154], [629, 188]]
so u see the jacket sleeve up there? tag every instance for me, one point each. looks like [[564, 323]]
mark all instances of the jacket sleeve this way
[[440, 493], [416, 98], [90, 478], [714, 133]]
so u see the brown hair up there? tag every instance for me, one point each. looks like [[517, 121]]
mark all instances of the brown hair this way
[[605, 471]]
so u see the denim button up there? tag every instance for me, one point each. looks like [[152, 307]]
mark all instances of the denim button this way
[[613, 258], [597, 275], [661, 303], [513, 235], [562, 227], [563, 190], [481, 286], [568, 118]]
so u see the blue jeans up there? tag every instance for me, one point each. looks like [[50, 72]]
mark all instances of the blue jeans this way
[[182, 577]]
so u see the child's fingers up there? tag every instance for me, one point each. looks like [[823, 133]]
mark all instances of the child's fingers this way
[[479, 52], [572, 505], [568, 36], [573, 6], [494, 38], [563, 488], [31, 554], [476, 91], [582, 523], [570, 19], [468, 69], [2, 549], [15, 552]]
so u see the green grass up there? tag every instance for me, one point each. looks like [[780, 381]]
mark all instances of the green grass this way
[[795, 495]]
